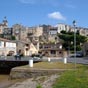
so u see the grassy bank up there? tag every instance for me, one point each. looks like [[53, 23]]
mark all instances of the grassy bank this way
[[67, 79], [52, 65], [73, 79]]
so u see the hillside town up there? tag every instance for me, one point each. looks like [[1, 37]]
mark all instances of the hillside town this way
[[43, 44], [41, 39]]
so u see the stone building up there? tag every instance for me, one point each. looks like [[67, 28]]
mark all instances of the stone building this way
[[20, 32], [52, 36], [82, 31], [26, 48], [52, 50], [3, 25], [7, 33], [36, 31], [85, 49], [61, 27]]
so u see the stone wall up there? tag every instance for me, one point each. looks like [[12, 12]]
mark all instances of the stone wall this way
[[18, 73]]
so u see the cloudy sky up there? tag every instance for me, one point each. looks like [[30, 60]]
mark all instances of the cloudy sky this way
[[36, 12]]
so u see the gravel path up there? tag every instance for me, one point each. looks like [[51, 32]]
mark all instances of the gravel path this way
[[44, 81]]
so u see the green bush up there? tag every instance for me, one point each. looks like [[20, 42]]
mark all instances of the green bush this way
[[39, 86]]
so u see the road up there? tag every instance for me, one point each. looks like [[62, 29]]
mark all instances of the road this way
[[82, 60]]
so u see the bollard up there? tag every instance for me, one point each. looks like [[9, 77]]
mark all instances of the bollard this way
[[30, 63], [65, 60], [49, 59]]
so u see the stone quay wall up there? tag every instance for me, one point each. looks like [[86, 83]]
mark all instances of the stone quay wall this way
[[19, 73]]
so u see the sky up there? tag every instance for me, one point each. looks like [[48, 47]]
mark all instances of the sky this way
[[50, 12]]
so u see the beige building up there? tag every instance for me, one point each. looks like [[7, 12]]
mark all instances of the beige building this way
[[36, 31], [83, 31], [26, 48], [20, 32], [52, 50]]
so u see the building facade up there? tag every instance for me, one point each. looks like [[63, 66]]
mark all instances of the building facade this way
[[26, 48], [3, 25], [7, 47], [52, 50], [20, 32]]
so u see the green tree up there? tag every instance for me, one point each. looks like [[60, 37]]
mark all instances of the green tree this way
[[13, 38], [68, 38]]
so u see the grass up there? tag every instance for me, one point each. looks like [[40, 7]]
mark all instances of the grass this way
[[70, 78], [38, 86], [52, 65], [73, 79]]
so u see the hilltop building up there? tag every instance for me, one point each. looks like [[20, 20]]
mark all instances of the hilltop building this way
[[3, 25], [65, 27]]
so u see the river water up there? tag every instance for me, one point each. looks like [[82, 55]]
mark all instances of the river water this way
[[5, 81]]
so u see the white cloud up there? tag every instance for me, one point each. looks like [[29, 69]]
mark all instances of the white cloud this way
[[56, 15]]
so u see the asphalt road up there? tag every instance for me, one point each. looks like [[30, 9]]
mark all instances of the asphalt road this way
[[82, 60]]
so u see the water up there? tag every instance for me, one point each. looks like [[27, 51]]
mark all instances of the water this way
[[5, 82]]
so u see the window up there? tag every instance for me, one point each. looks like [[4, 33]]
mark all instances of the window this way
[[46, 47], [53, 52], [60, 52], [27, 45], [26, 49]]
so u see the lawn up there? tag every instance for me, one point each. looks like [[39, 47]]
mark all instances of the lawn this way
[[73, 79], [52, 65]]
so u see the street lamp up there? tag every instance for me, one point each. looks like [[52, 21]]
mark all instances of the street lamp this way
[[74, 24]]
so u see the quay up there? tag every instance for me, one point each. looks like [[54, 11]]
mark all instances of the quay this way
[[6, 64]]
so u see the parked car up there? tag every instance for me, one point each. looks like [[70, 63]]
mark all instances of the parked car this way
[[78, 54], [37, 57]]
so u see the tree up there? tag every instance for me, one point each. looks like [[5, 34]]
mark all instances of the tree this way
[[13, 38], [68, 38]]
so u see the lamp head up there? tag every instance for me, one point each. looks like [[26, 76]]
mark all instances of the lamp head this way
[[74, 23]]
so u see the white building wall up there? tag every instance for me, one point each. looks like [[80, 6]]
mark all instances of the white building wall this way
[[5, 47], [10, 46], [53, 32], [1, 44], [61, 27]]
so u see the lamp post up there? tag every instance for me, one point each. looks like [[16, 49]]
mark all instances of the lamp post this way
[[74, 24]]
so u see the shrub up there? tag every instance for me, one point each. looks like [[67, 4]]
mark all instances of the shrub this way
[[39, 86]]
